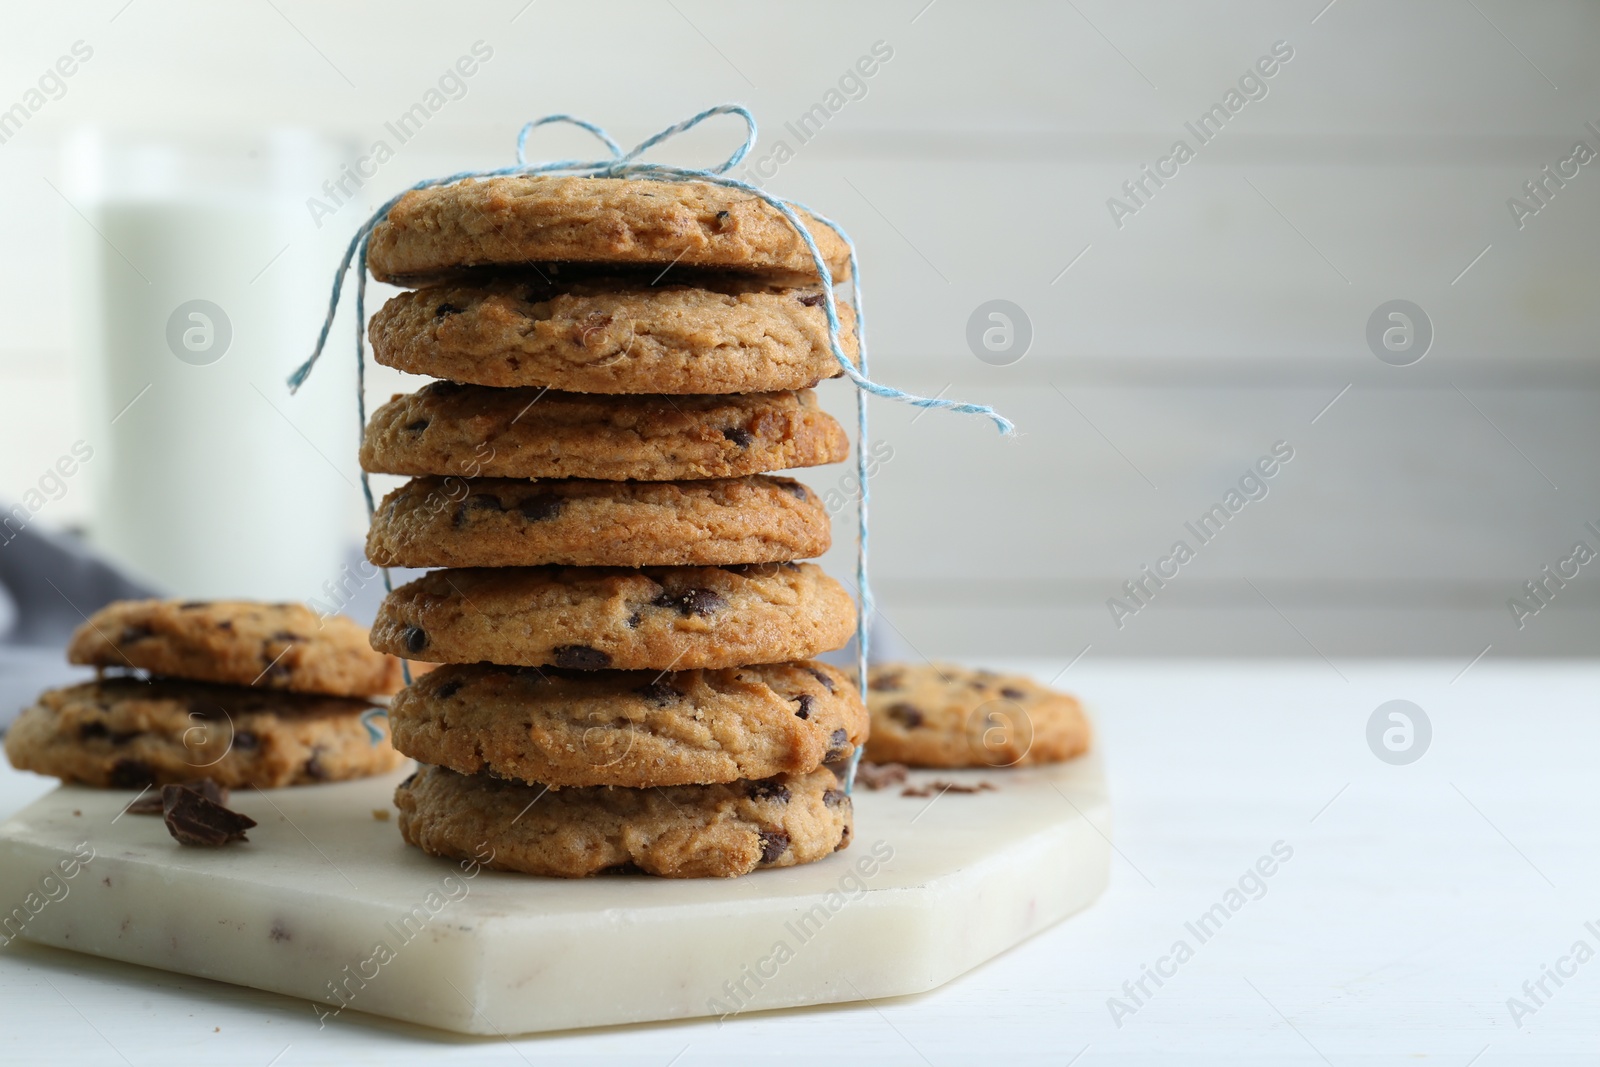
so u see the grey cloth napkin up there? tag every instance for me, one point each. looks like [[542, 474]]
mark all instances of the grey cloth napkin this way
[[48, 583]]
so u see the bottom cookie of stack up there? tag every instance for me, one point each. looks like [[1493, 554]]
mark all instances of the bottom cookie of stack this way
[[685, 831], [699, 773]]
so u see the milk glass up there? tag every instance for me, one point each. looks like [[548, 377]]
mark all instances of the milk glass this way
[[202, 280]]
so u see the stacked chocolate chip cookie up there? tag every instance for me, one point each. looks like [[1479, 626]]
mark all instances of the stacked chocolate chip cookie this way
[[627, 638], [243, 693]]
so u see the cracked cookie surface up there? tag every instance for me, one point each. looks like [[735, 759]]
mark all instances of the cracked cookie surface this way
[[614, 335]]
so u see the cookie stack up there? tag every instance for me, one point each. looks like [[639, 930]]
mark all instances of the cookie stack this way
[[242, 693], [627, 638]]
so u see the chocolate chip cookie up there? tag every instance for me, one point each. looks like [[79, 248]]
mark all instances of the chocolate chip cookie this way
[[589, 618], [127, 733], [684, 831], [629, 728], [614, 335], [506, 522], [531, 219], [476, 431], [941, 715], [240, 642]]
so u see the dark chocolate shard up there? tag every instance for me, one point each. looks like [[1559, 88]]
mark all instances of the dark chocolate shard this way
[[192, 819]]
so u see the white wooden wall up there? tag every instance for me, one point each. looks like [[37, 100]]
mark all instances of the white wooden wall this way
[[1221, 318]]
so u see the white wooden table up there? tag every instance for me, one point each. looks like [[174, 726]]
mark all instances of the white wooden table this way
[[1416, 901]]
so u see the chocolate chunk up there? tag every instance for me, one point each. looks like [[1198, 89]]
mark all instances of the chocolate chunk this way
[[839, 745], [635, 619], [154, 804], [768, 790], [132, 774], [93, 729], [774, 843], [811, 300], [130, 634], [659, 693], [195, 820], [701, 602], [805, 700], [244, 739], [906, 715], [581, 657], [448, 689], [314, 768], [541, 508], [285, 635], [844, 840], [834, 797], [826, 681], [885, 681], [415, 637], [446, 309], [418, 426], [739, 436], [1012, 693], [795, 489]]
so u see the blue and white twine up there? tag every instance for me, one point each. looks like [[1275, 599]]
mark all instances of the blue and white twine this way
[[628, 165]]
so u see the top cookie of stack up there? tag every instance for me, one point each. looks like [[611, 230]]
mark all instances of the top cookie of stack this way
[[625, 363]]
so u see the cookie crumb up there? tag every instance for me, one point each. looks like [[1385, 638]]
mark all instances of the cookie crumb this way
[[880, 775], [381, 814], [938, 785]]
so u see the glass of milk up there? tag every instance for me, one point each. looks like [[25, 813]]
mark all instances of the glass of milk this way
[[203, 280]]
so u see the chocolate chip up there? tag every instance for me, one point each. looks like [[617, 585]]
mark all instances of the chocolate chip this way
[[635, 619], [418, 426], [441, 388], [285, 635], [314, 768], [541, 508], [739, 436], [93, 729], [768, 790], [906, 715], [245, 739], [885, 681], [132, 774], [448, 689], [811, 300], [659, 693], [194, 820], [805, 700], [795, 489], [625, 867], [130, 634], [701, 602], [415, 638], [774, 843], [190, 605], [826, 681], [834, 797], [838, 745], [844, 839], [1012, 693], [446, 309], [225, 624], [581, 657]]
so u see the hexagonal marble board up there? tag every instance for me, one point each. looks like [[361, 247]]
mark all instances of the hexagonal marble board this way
[[325, 902]]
